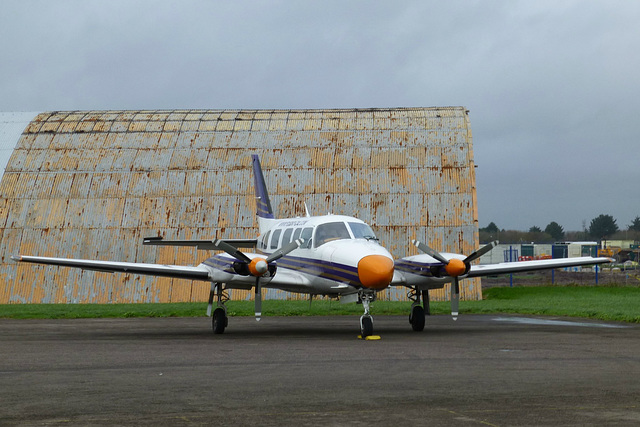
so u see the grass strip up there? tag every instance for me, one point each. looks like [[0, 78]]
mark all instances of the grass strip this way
[[596, 302]]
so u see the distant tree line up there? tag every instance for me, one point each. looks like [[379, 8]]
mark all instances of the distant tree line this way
[[602, 227]]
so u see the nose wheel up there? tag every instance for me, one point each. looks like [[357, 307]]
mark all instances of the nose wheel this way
[[366, 325], [366, 321]]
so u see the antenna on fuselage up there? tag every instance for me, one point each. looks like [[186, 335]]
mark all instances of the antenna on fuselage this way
[[306, 210]]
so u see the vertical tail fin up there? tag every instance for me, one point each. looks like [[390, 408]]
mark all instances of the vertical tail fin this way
[[264, 211], [262, 196]]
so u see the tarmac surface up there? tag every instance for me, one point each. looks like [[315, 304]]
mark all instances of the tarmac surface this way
[[483, 370]]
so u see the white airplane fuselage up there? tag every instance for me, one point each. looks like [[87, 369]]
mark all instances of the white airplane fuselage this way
[[339, 256]]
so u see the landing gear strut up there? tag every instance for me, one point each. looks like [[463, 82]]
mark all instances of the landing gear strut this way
[[219, 319], [366, 321], [417, 316]]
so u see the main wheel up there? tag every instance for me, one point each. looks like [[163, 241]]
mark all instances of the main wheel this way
[[366, 326], [417, 318], [219, 320]]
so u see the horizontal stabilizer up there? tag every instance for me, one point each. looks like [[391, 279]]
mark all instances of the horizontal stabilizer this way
[[200, 244]]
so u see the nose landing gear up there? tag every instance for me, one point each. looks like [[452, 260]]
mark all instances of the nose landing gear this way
[[366, 321]]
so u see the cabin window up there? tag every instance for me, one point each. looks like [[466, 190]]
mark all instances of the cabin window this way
[[275, 238], [296, 233], [286, 237], [306, 236], [331, 231], [362, 231]]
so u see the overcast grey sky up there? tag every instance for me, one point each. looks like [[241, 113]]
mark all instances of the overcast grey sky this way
[[553, 86]]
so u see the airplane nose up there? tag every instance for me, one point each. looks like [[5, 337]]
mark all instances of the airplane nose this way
[[375, 271]]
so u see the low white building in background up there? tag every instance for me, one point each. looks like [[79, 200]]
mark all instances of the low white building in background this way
[[531, 251]]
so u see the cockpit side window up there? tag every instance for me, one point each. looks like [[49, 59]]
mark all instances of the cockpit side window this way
[[306, 236], [265, 239], [362, 231], [331, 231]]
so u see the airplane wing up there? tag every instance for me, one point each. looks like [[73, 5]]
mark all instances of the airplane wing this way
[[428, 273], [289, 280], [284, 278], [543, 264], [180, 272]]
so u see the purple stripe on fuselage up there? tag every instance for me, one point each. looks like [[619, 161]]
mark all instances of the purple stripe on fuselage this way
[[325, 269]]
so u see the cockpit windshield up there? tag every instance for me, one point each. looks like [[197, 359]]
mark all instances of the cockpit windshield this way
[[338, 230], [331, 231], [362, 231]]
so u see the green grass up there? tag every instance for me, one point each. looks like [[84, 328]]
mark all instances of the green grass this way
[[599, 302]]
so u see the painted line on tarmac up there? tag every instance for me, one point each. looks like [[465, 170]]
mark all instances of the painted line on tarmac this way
[[536, 321]]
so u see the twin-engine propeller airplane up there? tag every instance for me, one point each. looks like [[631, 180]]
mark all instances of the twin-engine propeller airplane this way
[[332, 255]]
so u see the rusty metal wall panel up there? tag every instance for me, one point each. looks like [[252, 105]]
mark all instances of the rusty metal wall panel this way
[[93, 184], [19, 157], [8, 186]]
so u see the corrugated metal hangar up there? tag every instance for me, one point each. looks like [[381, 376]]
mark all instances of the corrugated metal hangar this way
[[92, 184]]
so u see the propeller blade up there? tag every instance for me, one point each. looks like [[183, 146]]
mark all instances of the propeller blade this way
[[432, 253], [284, 250], [455, 286], [258, 300], [455, 298], [231, 250], [477, 254]]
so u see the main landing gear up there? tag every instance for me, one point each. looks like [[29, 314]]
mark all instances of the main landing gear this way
[[366, 321], [219, 318], [417, 316]]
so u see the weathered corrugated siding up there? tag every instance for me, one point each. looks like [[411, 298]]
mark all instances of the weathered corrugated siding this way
[[93, 184]]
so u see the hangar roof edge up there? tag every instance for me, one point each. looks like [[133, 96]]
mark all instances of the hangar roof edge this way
[[61, 115], [12, 124]]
